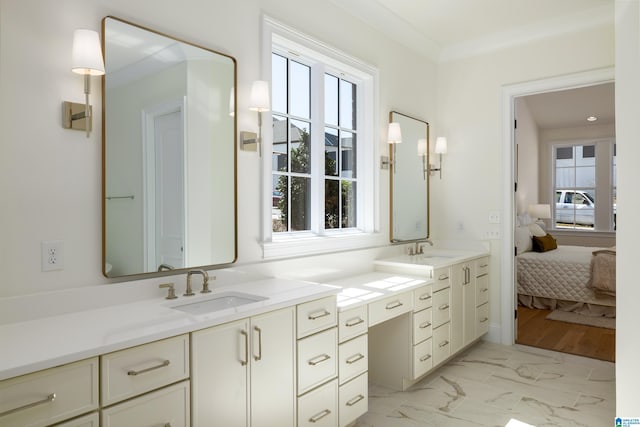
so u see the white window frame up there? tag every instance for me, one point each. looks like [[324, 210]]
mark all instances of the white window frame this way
[[603, 188], [302, 48]]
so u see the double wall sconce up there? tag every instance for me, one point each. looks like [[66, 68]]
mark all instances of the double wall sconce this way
[[258, 101], [441, 148], [86, 59]]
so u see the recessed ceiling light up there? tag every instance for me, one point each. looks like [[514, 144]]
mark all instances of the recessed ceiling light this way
[[592, 118]]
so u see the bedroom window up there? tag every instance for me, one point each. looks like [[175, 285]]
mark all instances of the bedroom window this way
[[321, 168], [584, 179]]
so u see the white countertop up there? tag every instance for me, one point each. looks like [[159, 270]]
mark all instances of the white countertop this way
[[32, 345], [424, 264]]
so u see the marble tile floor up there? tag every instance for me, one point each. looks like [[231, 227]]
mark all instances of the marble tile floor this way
[[489, 384]]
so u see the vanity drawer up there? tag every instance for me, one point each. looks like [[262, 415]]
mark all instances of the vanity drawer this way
[[50, 396], [317, 359], [441, 343], [441, 278], [133, 371], [165, 407], [422, 298], [422, 358], [482, 266], [353, 399], [441, 307], [319, 408], [354, 358], [91, 420], [422, 325], [482, 290], [482, 317], [315, 316], [390, 307], [352, 323]]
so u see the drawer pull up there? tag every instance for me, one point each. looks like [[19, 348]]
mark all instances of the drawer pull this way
[[484, 319], [319, 314], [320, 415], [443, 344], [484, 265], [246, 347], [354, 322], [355, 400], [133, 373], [353, 359], [424, 325], [49, 398], [484, 290], [443, 277], [319, 359], [424, 297], [167, 425], [425, 358], [443, 307], [393, 305], [259, 331]]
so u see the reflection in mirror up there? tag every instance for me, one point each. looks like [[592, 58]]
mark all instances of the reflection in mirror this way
[[409, 180], [169, 153]]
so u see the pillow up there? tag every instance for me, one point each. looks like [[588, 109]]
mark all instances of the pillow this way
[[523, 240], [536, 230], [524, 219], [544, 244]]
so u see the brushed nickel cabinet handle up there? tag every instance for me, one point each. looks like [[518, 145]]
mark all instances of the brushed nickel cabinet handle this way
[[425, 358], [246, 347], [424, 325], [319, 359], [164, 363], [259, 331], [443, 277], [48, 399], [393, 305], [424, 297], [355, 400], [320, 415], [443, 307], [353, 359], [354, 322], [484, 265], [484, 319], [319, 314], [443, 343]]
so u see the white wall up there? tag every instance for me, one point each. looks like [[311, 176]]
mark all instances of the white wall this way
[[627, 131], [470, 113], [50, 178]]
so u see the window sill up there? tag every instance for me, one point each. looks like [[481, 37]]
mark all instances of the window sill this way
[[586, 233], [305, 244]]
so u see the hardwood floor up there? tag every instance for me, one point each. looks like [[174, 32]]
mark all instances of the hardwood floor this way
[[589, 341]]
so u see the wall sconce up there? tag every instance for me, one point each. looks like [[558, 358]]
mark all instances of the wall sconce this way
[[394, 136], [258, 101], [441, 148], [86, 59], [422, 152]]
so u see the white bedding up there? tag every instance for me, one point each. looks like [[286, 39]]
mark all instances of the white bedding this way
[[559, 274]]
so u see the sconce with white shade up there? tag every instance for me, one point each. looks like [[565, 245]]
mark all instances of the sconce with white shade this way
[[440, 149], [422, 152], [258, 101], [394, 136], [86, 59]]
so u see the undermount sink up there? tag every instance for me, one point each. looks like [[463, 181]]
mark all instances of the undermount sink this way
[[219, 302]]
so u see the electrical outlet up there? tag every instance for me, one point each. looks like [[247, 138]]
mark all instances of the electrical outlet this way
[[52, 255], [492, 235]]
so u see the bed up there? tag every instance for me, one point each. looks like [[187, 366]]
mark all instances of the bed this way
[[569, 278]]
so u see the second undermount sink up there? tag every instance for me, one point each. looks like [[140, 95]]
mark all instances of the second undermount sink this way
[[221, 301]]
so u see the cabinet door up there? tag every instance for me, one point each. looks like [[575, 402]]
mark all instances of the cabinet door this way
[[272, 389], [469, 305], [220, 357], [458, 280]]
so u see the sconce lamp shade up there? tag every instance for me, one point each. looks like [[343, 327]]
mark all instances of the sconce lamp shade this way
[[259, 100], [86, 54], [232, 102], [422, 147], [441, 145], [540, 211], [395, 133]]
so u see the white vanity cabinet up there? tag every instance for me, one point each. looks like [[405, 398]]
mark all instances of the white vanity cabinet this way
[[50, 396], [243, 372], [463, 316], [422, 360], [317, 362], [482, 297]]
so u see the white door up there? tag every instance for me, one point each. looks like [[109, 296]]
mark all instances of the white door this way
[[169, 197]]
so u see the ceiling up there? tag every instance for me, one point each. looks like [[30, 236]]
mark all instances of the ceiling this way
[[449, 29], [445, 30]]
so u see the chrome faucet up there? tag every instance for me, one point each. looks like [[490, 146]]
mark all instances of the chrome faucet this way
[[205, 282]]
